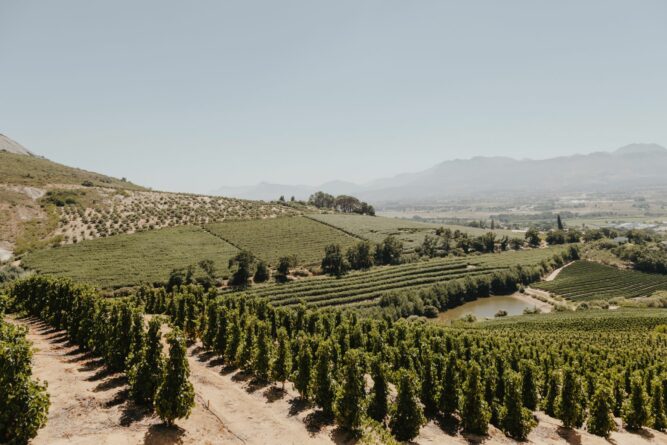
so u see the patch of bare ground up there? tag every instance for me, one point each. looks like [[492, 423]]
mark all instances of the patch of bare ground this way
[[90, 405], [254, 412]]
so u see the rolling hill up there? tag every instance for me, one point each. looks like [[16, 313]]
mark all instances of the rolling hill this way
[[628, 168]]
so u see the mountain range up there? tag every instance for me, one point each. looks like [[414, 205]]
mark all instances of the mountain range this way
[[628, 168]]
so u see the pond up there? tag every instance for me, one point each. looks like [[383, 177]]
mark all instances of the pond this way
[[487, 307]]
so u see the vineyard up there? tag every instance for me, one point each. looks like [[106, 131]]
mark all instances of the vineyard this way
[[585, 280], [270, 239], [411, 233], [128, 260], [361, 289]]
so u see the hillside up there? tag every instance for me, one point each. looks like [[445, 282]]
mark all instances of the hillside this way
[[628, 168], [45, 203]]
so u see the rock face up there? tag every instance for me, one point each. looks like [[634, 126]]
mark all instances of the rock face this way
[[11, 146]]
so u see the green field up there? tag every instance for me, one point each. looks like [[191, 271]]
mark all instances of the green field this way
[[364, 288], [411, 233], [128, 260], [585, 280], [624, 319], [270, 239]]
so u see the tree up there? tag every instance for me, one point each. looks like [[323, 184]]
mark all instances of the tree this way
[[322, 384], [348, 407], [533, 237], [475, 412], [635, 408], [347, 204], [262, 352], [601, 419], [553, 391], [284, 265], [137, 340], [516, 243], [176, 396], [282, 361], [378, 406], [262, 273], [407, 417], [389, 251], [429, 388], [322, 200], [148, 373], [449, 394], [570, 402], [529, 393], [243, 266], [659, 419], [559, 223], [245, 352], [360, 256], [304, 369], [24, 401], [515, 420], [333, 262]]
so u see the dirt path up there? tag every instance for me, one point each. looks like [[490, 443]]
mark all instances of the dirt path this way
[[89, 405], [552, 276], [255, 414]]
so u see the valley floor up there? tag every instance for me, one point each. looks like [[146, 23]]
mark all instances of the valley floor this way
[[90, 406]]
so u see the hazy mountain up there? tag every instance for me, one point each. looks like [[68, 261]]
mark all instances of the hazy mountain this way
[[12, 146], [268, 192], [630, 167]]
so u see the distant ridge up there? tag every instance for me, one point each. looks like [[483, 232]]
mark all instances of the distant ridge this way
[[631, 167], [12, 146]]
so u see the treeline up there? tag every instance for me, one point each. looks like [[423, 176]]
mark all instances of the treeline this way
[[472, 377], [24, 402], [342, 203], [644, 257], [450, 294], [115, 331], [361, 256]]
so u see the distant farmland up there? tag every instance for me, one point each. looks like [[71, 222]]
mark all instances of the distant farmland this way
[[128, 260], [585, 280], [364, 288]]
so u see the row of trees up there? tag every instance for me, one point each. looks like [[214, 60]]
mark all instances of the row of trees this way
[[342, 203], [361, 256], [115, 331], [476, 376], [24, 402]]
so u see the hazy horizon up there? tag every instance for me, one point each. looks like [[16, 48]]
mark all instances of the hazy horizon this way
[[194, 97]]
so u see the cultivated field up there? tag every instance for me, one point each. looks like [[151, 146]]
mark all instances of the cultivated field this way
[[364, 288], [127, 260], [585, 280], [270, 239], [411, 233]]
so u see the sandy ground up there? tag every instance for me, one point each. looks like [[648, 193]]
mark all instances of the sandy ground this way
[[90, 406], [541, 305]]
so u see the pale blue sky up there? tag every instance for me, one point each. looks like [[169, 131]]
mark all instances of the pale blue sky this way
[[193, 95]]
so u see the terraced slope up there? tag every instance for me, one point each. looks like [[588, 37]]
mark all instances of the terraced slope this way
[[270, 239], [585, 280], [127, 260], [364, 288]]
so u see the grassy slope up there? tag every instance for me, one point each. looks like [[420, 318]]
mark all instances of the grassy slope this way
[[126, 260], [35, 171], [269, 239], [585, 280]]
